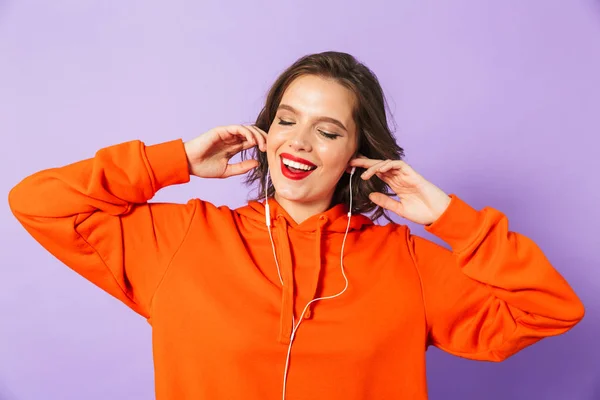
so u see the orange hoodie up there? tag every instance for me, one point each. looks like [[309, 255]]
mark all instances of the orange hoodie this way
[[206, 280]]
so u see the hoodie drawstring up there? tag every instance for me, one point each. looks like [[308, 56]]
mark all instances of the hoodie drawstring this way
[[318, 268], [288, 302], [286, 322]]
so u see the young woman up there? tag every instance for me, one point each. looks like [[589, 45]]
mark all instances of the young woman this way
[[297, 295]]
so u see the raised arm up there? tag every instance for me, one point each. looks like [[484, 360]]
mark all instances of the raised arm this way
[[495, 292], [93, 216]]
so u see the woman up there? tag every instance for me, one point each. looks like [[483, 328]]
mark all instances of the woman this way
[[226, 290]]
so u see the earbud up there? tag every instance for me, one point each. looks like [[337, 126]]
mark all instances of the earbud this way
[[267, 210], [350, 183]]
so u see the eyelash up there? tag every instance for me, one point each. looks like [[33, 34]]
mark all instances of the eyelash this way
[[325, 134]]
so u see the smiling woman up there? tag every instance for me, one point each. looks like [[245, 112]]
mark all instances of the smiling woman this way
[[335, 105], [302, 137], [227, 289]]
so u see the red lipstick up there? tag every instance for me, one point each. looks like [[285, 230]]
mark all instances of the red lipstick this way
[[297, 159], [293, 173]]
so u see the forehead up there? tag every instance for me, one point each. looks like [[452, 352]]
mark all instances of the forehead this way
[[314, 95]]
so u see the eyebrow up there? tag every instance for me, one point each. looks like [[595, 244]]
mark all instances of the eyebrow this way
[[322, 118]]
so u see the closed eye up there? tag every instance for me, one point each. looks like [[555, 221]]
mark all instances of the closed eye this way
[[325, 134], [286, 123], [329, 135]]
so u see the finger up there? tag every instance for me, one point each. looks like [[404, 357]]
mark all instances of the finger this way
[[240, 168], [242, 144], [240, 130], [264, 133], [230, 134], [387, 202], [363, 162], [261, 137], [373, 169], [256, 137], [234, 149], [390, 165], [245, 145]]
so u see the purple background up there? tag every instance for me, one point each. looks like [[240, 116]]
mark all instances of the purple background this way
[[498, 102]]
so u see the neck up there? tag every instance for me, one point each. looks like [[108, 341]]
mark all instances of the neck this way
[[300, 211]]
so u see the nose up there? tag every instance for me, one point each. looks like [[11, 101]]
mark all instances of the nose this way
[[300, 141]]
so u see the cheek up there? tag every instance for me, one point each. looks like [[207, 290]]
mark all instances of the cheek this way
[[333, 157], [274, 142], [274, 137]]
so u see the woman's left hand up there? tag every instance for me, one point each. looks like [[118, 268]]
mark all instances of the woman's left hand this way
[[420, 200]]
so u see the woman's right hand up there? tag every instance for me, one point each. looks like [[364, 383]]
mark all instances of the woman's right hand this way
[[209, 154]]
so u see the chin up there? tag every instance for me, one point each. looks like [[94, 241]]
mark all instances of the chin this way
[[299, 196], [291, 193]]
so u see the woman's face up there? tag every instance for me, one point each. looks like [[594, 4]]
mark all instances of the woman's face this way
[[311, 140]]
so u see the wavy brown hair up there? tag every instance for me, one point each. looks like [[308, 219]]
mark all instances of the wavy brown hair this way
[[375, 138]]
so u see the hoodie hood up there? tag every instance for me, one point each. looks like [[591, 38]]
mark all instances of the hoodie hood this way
[[336, 218], [332, 221]]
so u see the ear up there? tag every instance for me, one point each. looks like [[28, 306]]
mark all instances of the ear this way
[[348, 167]]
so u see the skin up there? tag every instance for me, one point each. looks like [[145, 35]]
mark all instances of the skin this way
[[303, 127]]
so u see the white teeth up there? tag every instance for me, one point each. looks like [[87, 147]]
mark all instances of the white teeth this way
[[296, 165]]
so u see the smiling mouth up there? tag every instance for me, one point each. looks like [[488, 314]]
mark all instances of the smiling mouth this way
[[297, 166], [295, 170]]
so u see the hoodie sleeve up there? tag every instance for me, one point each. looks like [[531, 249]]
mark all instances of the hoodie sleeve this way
[[495, 293], [93, 216]]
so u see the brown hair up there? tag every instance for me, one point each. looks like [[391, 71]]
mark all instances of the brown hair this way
[[375, 139]]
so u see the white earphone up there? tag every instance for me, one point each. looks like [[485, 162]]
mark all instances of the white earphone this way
[[294, 324]]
